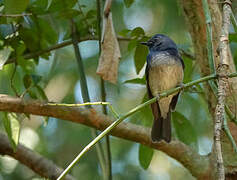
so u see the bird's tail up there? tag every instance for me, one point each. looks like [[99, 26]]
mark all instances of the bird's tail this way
[[161, 129]]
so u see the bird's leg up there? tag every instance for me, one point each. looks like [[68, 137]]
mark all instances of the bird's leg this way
[[181, 85], [158, 97]]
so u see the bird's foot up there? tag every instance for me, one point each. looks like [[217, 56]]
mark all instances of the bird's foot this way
[[181, 86]]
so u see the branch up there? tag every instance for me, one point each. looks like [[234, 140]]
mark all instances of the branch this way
[[85, 92], [89, 117], [31, 159], [15, 15], [69, 42], [103, 96], [223, 68], [57, 46]]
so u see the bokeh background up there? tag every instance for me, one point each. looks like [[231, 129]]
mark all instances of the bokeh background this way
[[61, 141]]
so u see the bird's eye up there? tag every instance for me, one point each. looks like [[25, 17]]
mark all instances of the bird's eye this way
[[158, 43], [150, 42]]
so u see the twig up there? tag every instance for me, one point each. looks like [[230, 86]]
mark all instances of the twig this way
[[15, 15], [234, 22], [31, 159], [78, 105], [230, 115], [229, 135], [222, 86], [209, 36], [103, 98], [186, 54], [69, 42], [85, 92]]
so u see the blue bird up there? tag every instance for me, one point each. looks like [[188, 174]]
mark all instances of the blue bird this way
[[164, 70]]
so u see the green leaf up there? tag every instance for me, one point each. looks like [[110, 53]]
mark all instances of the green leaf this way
[[233, 37], [140, 57], [184, 129], [49, 3], [15, 6], [47, 32], [39, 7], [12, 127], [132, 44], [59, 5], [137, 32], [40, 93], [36, 78], [91, 14], [20, 49], [124, 32], [27, 65], [4, 54], [30, 38], [32, 94], [145, 156], [136, 81], [188, 71], [69, 13], [27, 80], [128, 3]]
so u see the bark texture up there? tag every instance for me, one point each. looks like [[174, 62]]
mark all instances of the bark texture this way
[[194, 14]]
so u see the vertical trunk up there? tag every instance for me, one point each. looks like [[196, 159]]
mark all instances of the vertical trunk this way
[[193, 12]]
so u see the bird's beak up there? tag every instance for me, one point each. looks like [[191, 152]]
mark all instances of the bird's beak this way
[[144, 43]]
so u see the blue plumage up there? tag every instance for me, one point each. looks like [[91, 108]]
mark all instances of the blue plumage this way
[[164, 71]]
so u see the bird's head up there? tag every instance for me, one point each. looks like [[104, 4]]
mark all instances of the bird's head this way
[[160, 42]]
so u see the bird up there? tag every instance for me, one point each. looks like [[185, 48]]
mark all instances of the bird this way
[[164, 70]]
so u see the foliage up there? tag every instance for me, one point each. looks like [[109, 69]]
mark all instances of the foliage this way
[[53, 76]]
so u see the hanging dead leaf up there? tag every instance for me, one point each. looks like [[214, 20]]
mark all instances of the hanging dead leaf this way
[[110, 52]]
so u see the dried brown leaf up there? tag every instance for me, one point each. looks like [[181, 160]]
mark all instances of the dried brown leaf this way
[[110, 52]]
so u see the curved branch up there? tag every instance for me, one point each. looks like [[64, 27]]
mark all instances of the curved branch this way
[[58, 46], [31, 159], [69, 42], [197, 164]]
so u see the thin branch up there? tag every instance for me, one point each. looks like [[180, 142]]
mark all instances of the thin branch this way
[[209, 36], [233, 21], [85, 92], [229, 135], [69, 42], [222, 70], [15, 15], [31, 159], [186, 54], [58, 46], [103, 97], [231, 116]]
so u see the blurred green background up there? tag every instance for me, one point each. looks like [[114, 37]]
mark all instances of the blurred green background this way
[[60, 140]]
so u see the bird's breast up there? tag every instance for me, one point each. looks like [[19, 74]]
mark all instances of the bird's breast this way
[[164, 73]]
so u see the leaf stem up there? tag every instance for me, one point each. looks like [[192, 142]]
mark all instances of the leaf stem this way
[[103, 98], [85, 92]]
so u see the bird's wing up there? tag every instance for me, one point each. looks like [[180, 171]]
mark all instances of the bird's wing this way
[[154, 106]]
